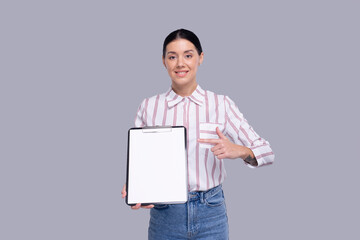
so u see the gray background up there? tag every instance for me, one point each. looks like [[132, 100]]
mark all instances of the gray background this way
[[73, 74]]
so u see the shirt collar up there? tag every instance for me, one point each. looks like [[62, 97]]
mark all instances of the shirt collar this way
[[198, 97]]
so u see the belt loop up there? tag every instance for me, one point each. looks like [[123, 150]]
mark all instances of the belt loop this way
[[202, 197]]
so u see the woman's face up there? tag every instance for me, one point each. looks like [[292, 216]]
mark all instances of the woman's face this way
[[181, 61]]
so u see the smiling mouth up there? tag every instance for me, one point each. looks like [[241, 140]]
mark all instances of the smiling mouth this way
[[181, 73]]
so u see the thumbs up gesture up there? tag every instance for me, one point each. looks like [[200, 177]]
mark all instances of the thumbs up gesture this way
[[224, 148]]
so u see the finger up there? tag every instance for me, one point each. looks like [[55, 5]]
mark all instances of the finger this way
[[123, 192], [136, 207], [211, 141], [220, 134], [148, 206], [217, 147], [221, 156], [218, 152]]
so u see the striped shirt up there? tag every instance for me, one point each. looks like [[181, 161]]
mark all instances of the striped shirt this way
[[201, 113]]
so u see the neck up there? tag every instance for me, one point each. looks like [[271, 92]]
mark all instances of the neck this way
[[184, 90]]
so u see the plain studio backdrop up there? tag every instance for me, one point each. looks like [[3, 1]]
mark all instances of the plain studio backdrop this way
[[73, 74]]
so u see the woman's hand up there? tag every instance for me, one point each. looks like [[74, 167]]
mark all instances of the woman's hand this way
[[138, 205], [224, 148]]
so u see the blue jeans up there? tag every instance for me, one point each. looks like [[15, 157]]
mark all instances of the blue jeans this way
[[203, 216]]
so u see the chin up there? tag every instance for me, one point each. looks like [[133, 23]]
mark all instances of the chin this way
[[182, 82]]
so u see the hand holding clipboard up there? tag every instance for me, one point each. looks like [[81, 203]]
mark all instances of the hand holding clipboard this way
[[138, 205]]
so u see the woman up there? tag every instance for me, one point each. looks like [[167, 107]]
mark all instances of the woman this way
[[216, 130]]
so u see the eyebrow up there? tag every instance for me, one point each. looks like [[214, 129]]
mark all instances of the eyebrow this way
[[171, 52]]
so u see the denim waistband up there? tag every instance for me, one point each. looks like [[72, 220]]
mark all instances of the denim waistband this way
[[193, 196]]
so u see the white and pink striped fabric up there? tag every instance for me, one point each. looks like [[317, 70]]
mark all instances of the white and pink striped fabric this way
[[201, 113]]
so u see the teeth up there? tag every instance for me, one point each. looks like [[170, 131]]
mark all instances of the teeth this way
[[181, 74]]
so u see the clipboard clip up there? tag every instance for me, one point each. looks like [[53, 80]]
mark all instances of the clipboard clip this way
[[157, 129]]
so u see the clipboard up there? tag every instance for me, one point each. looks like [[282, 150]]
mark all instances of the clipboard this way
[[156, 165]]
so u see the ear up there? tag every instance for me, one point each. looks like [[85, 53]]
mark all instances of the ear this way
[[163, 60], [201, 58]]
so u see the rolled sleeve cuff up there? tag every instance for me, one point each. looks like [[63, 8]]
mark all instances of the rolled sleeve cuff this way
[[262, 158]]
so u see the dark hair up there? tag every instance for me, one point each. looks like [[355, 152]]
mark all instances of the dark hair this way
[[182, 34]]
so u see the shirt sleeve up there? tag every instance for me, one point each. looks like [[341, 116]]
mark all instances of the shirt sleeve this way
[[140, 114], [241, 133]]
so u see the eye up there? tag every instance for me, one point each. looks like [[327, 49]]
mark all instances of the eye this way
[[188, 56], [171, 57]]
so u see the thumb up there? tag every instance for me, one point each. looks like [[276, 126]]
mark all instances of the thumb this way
[[220, 134]]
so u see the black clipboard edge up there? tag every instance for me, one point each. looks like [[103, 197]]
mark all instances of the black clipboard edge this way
[[127, 165]]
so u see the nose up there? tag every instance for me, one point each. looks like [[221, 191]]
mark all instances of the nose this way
[[180, 63]]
